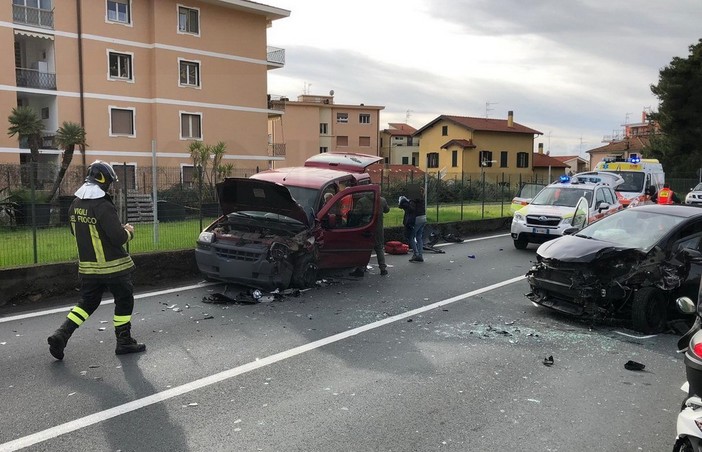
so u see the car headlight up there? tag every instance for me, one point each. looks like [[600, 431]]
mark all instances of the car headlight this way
[[206, 237], [518, 217]]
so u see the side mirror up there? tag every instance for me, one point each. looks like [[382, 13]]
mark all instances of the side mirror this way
[[685, 305], [603, 206], [571, 231], [691, 255], [331, 220]]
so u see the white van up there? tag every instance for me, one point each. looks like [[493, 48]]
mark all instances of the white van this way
[[638, 174]]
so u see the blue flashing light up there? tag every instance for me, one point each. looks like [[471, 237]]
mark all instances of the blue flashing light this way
[[635, 159], [564, 179]]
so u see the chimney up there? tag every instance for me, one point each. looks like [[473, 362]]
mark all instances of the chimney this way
[[510, 119], [541, 148]]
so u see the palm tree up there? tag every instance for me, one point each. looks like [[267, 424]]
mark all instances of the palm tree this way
[[26, 123], [68, 136]]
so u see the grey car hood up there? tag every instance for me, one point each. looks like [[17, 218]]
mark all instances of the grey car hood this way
[[240, 194], [574, 249]]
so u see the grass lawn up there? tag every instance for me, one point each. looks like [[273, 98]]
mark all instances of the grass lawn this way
[[56, 244]]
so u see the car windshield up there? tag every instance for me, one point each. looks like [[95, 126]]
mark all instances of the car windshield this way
[[698, 187], [565, 196], [633, 181], [306, 197], [626, 229]]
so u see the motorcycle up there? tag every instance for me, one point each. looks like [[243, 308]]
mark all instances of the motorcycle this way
[[689, 423]]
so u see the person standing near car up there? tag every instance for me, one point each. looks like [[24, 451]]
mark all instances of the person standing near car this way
[[666, 196], [416, 215], [103, 263], [379, 244]]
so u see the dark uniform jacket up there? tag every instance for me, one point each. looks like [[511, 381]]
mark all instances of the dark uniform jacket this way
[[100, 238]]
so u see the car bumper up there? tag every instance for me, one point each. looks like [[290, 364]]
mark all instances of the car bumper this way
[[247, 266], [536, 234]]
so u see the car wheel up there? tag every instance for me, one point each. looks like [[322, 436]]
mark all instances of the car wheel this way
[[649, 310], [683, 445], [521, 243], [305, 272]]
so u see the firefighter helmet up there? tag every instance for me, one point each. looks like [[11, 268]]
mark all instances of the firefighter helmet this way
[[101, 174]]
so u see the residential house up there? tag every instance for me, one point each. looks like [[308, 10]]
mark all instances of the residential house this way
[[575, 163], [547, 168], [635, 139], [455, 145], [398, 146], [315, 124], [142, 77]]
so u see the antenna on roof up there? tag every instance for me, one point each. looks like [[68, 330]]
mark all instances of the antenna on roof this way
[[488, 108], [407, 116]]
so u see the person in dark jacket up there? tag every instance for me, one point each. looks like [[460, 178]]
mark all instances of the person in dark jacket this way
[[415, 220], [103, 263]]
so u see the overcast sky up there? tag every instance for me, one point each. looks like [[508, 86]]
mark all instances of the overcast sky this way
[[576, 70]]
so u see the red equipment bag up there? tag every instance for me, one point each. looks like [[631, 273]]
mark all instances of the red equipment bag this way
[[395, 247]]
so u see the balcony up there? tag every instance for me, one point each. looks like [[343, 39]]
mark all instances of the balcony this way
[[275, 57], [276, 149], [32, 78], [34, 16]]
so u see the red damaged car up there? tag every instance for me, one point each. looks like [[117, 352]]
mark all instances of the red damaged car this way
[[277, 231]]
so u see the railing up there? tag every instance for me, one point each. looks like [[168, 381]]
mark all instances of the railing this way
[[31, 78], [276, 149], [276, 55], [33, 16]]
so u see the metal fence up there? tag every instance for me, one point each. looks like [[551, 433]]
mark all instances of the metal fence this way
[[169, 207]]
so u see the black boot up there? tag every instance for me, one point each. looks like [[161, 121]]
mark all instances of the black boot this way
[[125, 342], [58, 340]]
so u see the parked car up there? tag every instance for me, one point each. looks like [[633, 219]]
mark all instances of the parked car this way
[[552, 209], [630, 266], [276, 230], [524, 196], [694, 197]]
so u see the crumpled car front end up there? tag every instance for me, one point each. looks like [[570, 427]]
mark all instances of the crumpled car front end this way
[[241, 251]]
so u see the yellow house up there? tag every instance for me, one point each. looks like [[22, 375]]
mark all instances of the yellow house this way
[[142, 77], [456, 145]]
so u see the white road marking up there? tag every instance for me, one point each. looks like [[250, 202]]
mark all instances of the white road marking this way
[[104, 302], [100, 416]]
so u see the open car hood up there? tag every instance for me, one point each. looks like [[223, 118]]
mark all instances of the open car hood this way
[[351, 162], [574, 249], [240, 194]]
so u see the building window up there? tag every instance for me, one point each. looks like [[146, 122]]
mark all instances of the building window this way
[[120, 66], [190, 126], [189, 73], [405, 160], [485, 159], [323, 149], [503, 159], [342, 140], [342, 118], [119, 11], [433, 160], [187, 173], [364, 141], [444, 131], [364, 118], [188, 20], [323, 128], [522, 159], [454, 159], [122, 122]]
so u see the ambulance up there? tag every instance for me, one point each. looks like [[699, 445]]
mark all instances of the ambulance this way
[[638, 174]]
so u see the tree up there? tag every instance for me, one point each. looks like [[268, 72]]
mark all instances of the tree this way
[[679, 91], [209, 169], [26, 124], [68, 136]]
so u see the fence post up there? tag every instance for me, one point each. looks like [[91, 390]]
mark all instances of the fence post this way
[[33, 208]]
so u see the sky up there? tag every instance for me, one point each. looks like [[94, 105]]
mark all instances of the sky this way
[[575, 70]]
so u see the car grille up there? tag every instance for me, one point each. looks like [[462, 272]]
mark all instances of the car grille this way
[[235, 254], [542, 220]]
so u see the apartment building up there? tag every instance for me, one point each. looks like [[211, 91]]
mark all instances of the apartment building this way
[[398, 146], [455, 145], [315, 124], [144, 77]]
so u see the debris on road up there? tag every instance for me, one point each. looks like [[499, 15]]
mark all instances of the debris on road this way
[[633, 365], [548, 362]]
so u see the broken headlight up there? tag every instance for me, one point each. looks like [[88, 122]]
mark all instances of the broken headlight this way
[[278, 252]]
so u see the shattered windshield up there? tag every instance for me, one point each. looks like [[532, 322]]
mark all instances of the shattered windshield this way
[[566, 196], [632, 228]]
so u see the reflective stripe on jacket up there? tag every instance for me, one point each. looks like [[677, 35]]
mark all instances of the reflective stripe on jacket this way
[[100, 237]]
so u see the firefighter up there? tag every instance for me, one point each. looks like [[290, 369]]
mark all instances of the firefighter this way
[[103, 263], [666, 196]]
